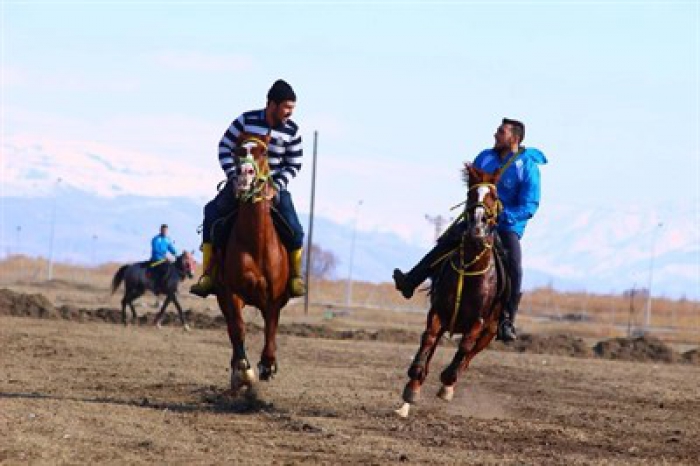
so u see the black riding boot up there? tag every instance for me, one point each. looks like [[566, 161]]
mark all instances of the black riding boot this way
[[506, 326], [407, 283]]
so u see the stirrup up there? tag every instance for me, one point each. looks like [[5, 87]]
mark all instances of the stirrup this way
[[296, 287], [202, 288]]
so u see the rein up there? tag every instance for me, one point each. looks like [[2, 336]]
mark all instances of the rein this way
[[462, 272]]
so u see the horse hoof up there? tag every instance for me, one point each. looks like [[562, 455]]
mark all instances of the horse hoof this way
[[186, 328], [403, 410], [248, 376], [266, 373], [446, 393], [411, 396]]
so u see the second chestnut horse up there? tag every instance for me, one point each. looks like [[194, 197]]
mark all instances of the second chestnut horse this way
[[466, 291], [255, 265]]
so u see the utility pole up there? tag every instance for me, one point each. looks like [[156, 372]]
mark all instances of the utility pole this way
[[647, 319], [19, 235], [92, 255], [311, 227], [439, 223], [53, 229], [348, 293]]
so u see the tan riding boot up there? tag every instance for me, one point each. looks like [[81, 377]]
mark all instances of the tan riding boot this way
[[205, 286], [296, 282]]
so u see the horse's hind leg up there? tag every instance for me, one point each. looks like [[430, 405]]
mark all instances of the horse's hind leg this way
[[242, 373], [124, 304], [267, 367], [420, 367], [469, 346], [128, 300]]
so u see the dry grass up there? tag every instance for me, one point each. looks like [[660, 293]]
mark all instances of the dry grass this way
[[542, 310]]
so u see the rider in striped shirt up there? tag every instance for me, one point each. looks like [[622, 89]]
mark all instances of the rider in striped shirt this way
[[284, 158]]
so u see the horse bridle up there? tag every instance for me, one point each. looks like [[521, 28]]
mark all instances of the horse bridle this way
[[261, 179], [491, 213]]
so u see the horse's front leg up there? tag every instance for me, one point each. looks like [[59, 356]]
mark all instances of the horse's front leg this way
[[242, 374], [161, 314], [466, 351], [420, 367], [267, 367], [173, 298]]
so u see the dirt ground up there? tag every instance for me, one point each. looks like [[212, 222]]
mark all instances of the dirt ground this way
[[82, 390]]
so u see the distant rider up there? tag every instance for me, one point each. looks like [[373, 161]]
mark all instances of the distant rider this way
[[161, 245]]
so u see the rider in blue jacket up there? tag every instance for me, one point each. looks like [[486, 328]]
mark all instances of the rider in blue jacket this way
[[161, 245], [519, 191]]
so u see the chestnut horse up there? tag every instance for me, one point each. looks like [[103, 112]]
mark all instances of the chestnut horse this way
[[466, 291], [255, 266]]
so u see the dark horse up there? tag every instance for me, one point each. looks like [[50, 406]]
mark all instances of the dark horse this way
[[138, 279], [466, 293], [254, 266]]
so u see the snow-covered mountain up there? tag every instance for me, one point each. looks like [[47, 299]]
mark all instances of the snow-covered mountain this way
[[109, 203]]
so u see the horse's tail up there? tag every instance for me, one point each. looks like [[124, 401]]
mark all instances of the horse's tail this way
[[118, 278]]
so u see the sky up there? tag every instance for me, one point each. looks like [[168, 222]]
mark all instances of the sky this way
[[400, 93]]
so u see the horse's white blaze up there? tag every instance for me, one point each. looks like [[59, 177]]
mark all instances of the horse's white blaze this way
[[403, 410], [479, 212], [246, 177], [478, 215]]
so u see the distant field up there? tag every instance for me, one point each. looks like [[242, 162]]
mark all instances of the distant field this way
[[542, 310]]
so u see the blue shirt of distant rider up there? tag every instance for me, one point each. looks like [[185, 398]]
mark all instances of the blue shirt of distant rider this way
[[161, 245]]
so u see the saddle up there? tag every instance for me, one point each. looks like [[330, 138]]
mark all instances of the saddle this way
[[221, 228], [157, 272]]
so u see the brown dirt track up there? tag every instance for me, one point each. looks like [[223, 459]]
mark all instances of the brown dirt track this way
[[76, 390]]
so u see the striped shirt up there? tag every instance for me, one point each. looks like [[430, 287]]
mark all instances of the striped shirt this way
[[283, 153]]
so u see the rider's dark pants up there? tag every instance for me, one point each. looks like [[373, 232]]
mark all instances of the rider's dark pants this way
[[511, 243], [225, 202], [158, 273], [289, 214]]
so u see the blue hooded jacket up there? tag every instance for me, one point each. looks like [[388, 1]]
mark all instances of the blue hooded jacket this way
[[518, 188], [160, 246]]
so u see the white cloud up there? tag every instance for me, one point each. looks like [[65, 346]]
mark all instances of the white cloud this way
[[67, 80], [12, 76]]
